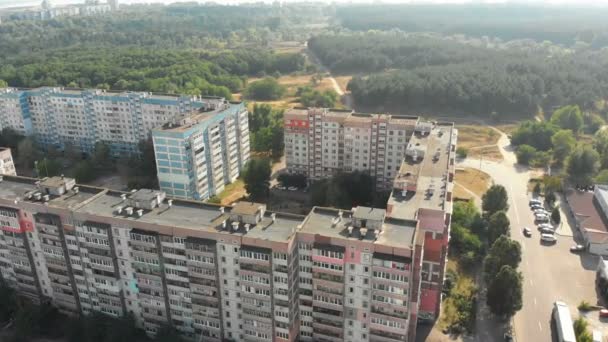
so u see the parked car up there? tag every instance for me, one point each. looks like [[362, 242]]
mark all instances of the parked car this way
[[527, 232], [547, 231], [541, 211], [545, 225], [292, 188], [604, 313], [577, 248], [280, 187], [535, 201], [547, 238]]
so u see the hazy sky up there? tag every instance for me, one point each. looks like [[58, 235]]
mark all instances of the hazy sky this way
[[13, 3]]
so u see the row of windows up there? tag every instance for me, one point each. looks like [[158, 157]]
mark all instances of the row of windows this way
[[255, 255], [329, 254], [390, 276]]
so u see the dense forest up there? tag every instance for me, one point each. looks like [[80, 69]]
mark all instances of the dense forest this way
[[147, 69], [183, 48], [424, 71], [558, 24], [175, 26]]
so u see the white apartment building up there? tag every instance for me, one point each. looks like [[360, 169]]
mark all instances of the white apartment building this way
[[7, 166], [321, 142]]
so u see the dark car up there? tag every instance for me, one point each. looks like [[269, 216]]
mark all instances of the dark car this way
[[527, 232]]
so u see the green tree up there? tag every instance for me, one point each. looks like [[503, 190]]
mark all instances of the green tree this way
[[101, 156], [602, 177], [525, 154], [563, 143], [600, 143], [266, 89], [257, 178], [536, 189], [84, 171], [26, 153], [495, 199], [48, 168], [552, 183], [3, 84], [555, 215], [582, 165], [498, 225], [568, 117], [581, 331], [505, 293], [504, 251]]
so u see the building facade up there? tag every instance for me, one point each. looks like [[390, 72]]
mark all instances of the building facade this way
[[7, 166], [197, 154], [59, 117], [237, 273], [47, 11], [321, 142]]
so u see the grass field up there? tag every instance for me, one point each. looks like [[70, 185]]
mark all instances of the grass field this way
[[480, 141], [474, 180], [292, 83]]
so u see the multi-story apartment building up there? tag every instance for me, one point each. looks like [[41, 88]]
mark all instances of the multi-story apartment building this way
[[7, 166], [47, 11], [238, 273], [58, 116], [197, 154], [321, 142]]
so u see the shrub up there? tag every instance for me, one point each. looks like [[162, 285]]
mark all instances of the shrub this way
[[584, 306], [462, 152]]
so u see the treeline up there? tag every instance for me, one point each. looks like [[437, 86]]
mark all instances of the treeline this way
[[181, 26], [153, 70], [562, 25], [441, 74]]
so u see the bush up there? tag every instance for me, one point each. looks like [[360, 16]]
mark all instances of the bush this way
[[266, 89], [584, 306], [292, 180], [525, 154], [462, 152]]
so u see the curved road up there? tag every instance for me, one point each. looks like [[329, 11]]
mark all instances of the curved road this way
[[550, 272]]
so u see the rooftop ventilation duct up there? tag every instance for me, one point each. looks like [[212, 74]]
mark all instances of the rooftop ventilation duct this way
[[129, 211], [170, 203], [119, 210], [140, 212]]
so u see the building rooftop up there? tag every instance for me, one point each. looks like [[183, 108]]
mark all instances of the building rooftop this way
[[196, 215], [587, 211], [367, 213], [246, 208], [423, 182], [188, 121], [327, 222]]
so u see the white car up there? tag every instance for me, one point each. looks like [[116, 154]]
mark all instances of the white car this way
[[548, 238], [292, 188], [541, 211], [280, 187], [545, 225], [547, 231]]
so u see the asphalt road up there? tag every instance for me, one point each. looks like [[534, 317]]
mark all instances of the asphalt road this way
[[550, 272]]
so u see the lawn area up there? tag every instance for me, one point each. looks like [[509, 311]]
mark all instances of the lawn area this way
[[465, 286], [479, 141], [474, 180], [507, 128], [232, 192], [292, 83]]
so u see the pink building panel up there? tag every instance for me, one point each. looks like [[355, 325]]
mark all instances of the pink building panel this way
[[428, 300], [328, 260]]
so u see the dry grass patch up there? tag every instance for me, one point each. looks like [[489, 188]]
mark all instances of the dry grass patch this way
[[472, 136], [486, 152], [474, 180], [508, 128], [462, 193]]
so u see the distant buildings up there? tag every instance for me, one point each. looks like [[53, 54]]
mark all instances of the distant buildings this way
[[59, 117], [7, 166], [48, 11]]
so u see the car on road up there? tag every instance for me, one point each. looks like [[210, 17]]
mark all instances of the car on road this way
[[535, 201], [292, 188], [577, 248], [540, 212], [547, 238], [527, 232], [545, 225], [542, 218], [536, 206], [604, 313], [547, 231], [280, 187]]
